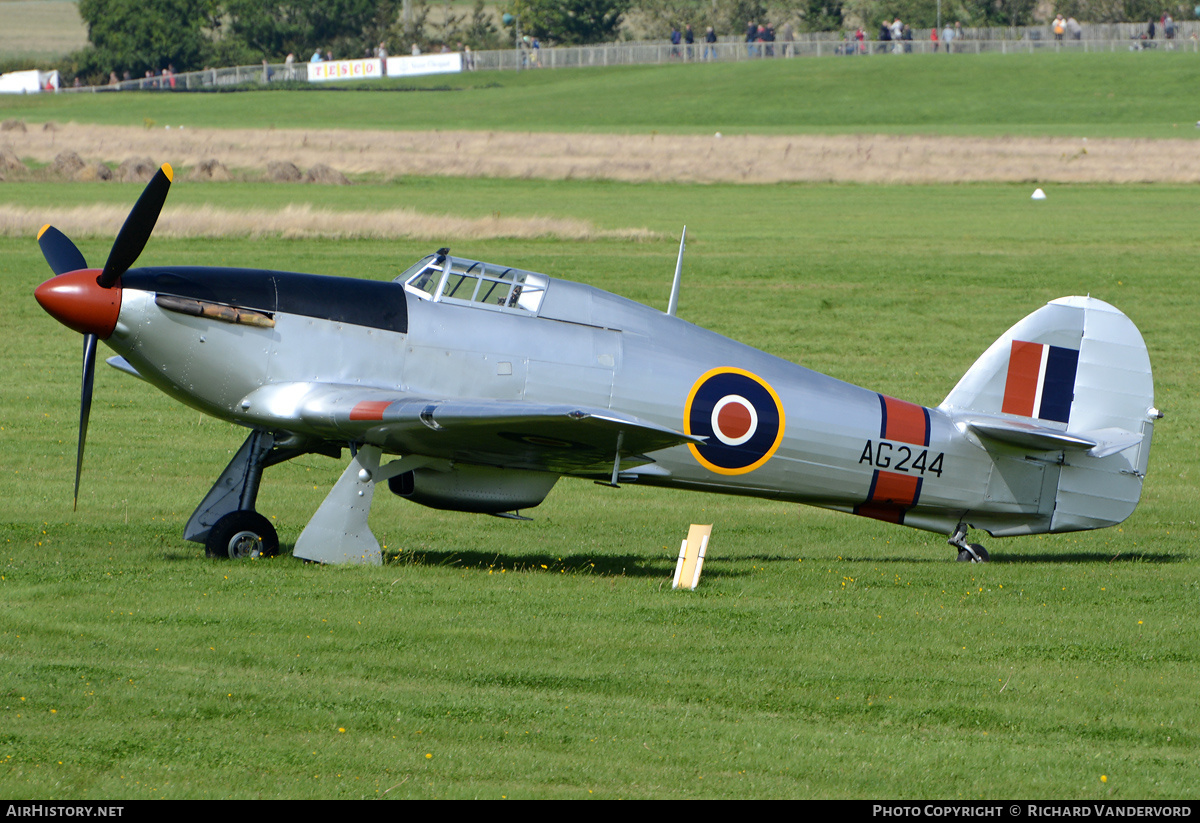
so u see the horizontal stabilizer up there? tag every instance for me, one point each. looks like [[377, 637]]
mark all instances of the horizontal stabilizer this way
[[1029, 435], [1112, 440], [1099, 443]]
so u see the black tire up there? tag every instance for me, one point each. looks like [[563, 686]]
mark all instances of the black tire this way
[[965, 556], [240, 535]]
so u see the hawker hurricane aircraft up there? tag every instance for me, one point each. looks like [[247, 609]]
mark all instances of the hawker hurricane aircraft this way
[[488, 383]]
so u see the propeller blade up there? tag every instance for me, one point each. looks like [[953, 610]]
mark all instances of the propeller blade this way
[[136, 232], [85, 405], [59, 251]]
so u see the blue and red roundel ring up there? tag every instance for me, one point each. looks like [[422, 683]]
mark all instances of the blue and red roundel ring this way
[[740, 414]]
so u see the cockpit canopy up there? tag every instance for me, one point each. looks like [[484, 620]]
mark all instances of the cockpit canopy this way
[[445, 279]]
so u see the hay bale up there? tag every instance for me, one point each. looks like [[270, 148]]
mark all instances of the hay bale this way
[[12, 125], [137, 170], [9, 162], [281, 171], [321, 173], [66, 164], [210, 169], [94, 172]]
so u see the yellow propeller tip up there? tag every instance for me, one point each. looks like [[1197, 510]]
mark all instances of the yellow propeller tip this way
[[42, 231], [169, 172]]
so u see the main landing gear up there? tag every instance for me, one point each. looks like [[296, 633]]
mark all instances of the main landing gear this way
[[967, 552], [225, 521], [228, 526]]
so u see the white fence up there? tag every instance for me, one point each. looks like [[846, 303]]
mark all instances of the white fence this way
[[648, 53]]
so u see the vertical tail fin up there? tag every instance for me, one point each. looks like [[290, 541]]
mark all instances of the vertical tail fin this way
[[1073, 377]]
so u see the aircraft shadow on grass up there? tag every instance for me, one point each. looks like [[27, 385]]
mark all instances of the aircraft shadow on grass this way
[[1073, 558], [632, 565], [1090, 557], [621, 565]]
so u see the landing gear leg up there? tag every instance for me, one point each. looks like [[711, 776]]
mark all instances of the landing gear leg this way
[[967, 552], [235, 490], [339, 531]]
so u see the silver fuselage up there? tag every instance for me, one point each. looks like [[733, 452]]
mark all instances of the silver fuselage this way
[[583, 346]]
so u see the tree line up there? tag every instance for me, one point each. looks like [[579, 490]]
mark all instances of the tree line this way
[[139, 36]]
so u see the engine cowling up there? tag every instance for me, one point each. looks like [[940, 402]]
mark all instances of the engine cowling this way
[[480, 489]]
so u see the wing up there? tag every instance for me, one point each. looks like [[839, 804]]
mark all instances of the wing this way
[[505, 433]]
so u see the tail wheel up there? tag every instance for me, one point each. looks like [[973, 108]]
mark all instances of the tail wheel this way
[[242, 534]]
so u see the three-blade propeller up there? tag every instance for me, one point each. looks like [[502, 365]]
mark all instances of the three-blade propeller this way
[[64, 257]]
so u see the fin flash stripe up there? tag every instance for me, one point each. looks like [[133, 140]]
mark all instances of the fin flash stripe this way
[[1040, 381]]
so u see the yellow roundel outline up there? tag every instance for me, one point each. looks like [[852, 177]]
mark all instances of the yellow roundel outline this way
[[687, 417]]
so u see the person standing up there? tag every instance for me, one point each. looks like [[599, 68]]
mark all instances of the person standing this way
[[710, 43], [689, 39]]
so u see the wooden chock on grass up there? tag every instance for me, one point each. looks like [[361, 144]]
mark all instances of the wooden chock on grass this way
[[691, 557]]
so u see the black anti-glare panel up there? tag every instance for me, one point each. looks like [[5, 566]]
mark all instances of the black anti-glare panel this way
[[374, 303]]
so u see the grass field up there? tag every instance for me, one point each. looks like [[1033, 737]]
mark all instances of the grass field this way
[[822, 655], [1115, 95]]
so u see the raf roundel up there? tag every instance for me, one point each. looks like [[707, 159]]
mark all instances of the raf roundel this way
[[740, 414]]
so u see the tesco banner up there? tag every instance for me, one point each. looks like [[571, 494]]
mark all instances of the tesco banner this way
[[345, 70], [424, 64], [372, 69]]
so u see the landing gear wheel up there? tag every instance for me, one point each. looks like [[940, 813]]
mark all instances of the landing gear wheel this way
[[240, 535], [976, 554]]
